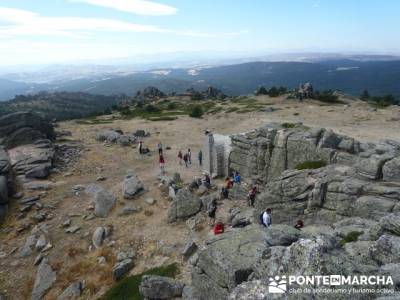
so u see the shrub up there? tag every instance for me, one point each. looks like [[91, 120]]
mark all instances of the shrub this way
[[383, 101], [128, 288], [151, 108], [327, 96], [352, 236], [261, 91], [288, 125], [172, 106], [311, 164], [273, 92], [196, 112]]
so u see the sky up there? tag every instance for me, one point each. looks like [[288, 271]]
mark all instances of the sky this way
[[65, 31]]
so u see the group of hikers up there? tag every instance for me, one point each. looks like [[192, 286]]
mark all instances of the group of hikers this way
[[265, 217], [187, 157]]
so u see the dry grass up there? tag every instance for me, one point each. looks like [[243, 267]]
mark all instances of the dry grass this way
[[26, 288], [148, 213], [73, 251], [88, 268]]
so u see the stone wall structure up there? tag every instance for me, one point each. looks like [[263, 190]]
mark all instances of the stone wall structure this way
[[216, 154], [346, 192]]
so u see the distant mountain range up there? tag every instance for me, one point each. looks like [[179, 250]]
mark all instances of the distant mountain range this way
[[379, 74]]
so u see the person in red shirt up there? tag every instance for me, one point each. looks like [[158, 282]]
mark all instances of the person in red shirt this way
[[162, 164], [219, 228]]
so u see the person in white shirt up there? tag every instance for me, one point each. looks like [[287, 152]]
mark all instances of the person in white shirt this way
[[267, 217]]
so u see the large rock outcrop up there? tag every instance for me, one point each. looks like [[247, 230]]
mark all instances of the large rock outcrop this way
[[5, 182], [22, 128], [346, 192], [263, 154], [115, 136]]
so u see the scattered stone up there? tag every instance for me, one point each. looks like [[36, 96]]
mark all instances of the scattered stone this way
[[101, 178], [66, 223], [158, 287], [78, 187], [29, 200], [41, 243], [121, 268], [73, 229], [150, 201], [132, 185], [101, 260], [99, 236], [28, 246], [45, 278], [38, 259], [128, 210], [190, 249], [104, 201], [38, 186], [73, 291], [47, 247]]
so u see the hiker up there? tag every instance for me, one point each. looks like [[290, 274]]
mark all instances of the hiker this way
[[237, 178], [225, 188], [162, 164], [160, 148], [207, 181], [228, 183], [140, 147], [180, 157], [252, 196], [211, 211], [219, 228], [266, 217], [200, 156], [189, 156], [185, 159], [299, 224]]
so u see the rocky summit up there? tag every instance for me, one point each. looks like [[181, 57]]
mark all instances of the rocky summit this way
[[87, 214]]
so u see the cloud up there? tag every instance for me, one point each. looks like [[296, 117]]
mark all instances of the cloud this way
[[27, 23], [22, 22], [140, 7], [316, 4]]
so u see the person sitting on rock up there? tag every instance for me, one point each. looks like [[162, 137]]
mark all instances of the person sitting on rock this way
[[266, 217], [237, 178], [211, 211], [225, 188], [207, 181], [299, 224], [228, 183], [219, 228], [252, 196]]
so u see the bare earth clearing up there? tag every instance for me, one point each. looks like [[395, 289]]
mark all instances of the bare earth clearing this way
[[156, 241]]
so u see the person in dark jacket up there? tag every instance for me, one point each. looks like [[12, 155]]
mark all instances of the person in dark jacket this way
[[200, 156]]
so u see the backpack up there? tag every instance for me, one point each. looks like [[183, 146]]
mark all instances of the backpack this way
[[261, 219]]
